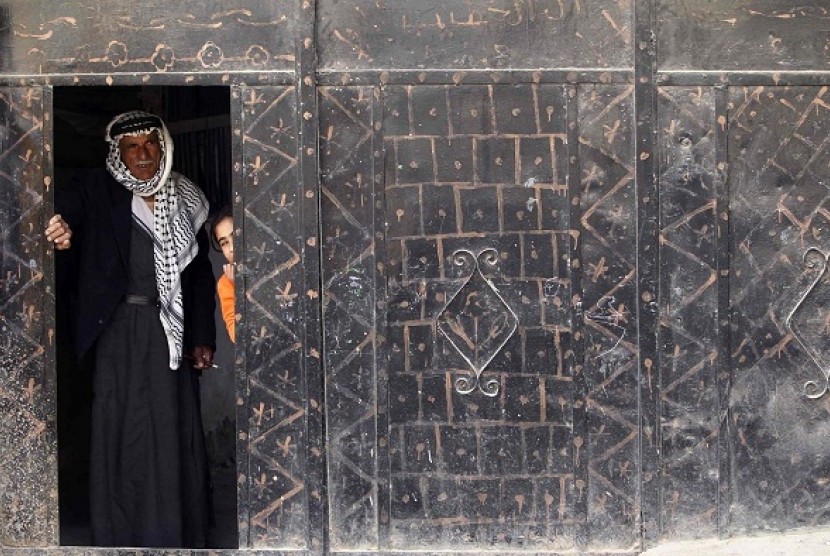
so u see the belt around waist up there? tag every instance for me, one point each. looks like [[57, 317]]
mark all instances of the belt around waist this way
[[141, 300]]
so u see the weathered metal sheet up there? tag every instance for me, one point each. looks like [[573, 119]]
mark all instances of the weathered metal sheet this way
[[689, 478], [28, 452], [275, 405], [156, 36], [458, 34], [778, 182], [351, 279], [608, 262], [743, 35], [478, 235]]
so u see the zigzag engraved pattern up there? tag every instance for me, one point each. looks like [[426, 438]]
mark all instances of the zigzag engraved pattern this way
[[347, 179], [609, 259], [272, 343], [689, 313], [28, 483]]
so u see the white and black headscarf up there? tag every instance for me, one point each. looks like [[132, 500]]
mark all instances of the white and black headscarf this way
[[179, 211]]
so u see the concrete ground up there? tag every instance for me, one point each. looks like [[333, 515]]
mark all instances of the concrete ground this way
[[800, 543]]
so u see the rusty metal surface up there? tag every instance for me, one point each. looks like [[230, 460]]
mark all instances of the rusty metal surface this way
[[473, 171], [350, 296], [608, 262]]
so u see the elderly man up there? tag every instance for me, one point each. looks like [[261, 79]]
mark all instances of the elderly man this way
[[145, 305]]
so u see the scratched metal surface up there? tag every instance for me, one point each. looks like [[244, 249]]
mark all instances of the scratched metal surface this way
[[743, 35], [608, 262], [275, 509], [688, 437], [422, 169], [92, 36], [28, 452], [471, 169], [778, 156], [352, 340], [457, 34]]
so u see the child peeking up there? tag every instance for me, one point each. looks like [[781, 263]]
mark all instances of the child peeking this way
[[222, 236]]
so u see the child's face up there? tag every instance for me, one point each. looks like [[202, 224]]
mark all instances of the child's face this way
[[224, 237]]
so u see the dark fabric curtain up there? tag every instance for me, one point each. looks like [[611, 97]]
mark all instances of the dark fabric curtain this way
[[205, 157]]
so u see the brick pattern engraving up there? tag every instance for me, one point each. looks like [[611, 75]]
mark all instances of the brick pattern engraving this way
[[481, 169], [271, 339], [28, 482]]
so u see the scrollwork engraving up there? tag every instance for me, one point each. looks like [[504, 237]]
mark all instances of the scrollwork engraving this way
[[477, 321], [808, 322]]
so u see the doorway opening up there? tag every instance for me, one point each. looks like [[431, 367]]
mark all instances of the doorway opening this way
[[199, 122]]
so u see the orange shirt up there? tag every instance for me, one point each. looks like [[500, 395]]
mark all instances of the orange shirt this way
[[224, 287]]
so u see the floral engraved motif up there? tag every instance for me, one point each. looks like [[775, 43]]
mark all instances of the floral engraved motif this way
[[258, 55], [117, 53], [809, 320], [210, 55], [476, 321], [163, 58]]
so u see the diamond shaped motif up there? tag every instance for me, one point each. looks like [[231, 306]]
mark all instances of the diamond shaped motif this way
[[477, 321]]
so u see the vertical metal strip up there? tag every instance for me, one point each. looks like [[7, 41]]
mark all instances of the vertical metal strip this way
[[724, 363], [48, 311], [311, 231], [241, 391], [648, 265], [579, 436], [384, 501]]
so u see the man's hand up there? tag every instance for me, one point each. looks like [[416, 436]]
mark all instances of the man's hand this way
[[59, 233], [228, 268], [202, 357]]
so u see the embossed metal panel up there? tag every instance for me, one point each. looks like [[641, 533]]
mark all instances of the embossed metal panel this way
[[28, 453], [526, 345], [95, 36], [475, 35]]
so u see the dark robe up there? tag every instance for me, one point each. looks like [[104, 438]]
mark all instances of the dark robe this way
[[149, 483]]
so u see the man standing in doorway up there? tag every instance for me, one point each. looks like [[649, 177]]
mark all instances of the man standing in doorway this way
[[145, 307]]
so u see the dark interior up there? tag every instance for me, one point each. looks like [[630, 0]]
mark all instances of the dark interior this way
[[199, 122]]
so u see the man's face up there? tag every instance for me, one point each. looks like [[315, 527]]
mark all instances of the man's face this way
[[141, 154]]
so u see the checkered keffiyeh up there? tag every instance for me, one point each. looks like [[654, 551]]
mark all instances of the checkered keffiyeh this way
[[180, 210]]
